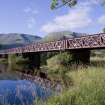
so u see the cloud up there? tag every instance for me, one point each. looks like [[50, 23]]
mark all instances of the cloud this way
[[94, 2], [31, 22], [31, 13], [30, 10], [78, 17], [101, 20], [27, 10]]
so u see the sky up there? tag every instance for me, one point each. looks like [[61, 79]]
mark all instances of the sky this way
[[35, 17]]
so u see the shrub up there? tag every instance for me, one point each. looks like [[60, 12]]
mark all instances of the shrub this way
[[17, 62], [59, 61], [46, 55], [3, 61], [57, 68]]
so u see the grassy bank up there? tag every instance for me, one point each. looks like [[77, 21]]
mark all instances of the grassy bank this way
[[88, 89]]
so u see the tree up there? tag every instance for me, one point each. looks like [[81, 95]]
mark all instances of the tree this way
[[104, 30], [59, 3]]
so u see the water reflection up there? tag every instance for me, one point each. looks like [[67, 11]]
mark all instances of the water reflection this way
[[19, 92], [3, 67]]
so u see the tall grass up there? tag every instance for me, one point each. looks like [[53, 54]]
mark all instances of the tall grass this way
[[88, 88]]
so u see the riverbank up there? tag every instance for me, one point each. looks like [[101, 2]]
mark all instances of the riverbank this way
[[45, 83]]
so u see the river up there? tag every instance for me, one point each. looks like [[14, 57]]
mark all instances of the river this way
[[19, 92]]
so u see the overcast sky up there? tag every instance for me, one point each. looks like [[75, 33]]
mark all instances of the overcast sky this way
[[35, 17]]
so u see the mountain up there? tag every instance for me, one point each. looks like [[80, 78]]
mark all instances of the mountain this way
[[14, 40], [61, 35]]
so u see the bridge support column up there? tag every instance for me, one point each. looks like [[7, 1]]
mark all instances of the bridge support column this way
[[34, 59], [3, 56], [81, 56], [9, 62]]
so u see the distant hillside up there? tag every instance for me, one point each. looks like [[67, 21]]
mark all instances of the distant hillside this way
[[14, 40], [61, 35]]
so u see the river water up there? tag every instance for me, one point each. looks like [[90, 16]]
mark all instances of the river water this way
[[21, 92]]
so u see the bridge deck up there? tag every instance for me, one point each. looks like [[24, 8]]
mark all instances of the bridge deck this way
[[88, 41]]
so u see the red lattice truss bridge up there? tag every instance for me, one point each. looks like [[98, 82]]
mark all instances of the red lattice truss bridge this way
[[84, 42]]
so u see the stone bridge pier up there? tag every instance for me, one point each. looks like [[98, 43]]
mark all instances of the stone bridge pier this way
[[4, 56], [34, 59], [81, 56]]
